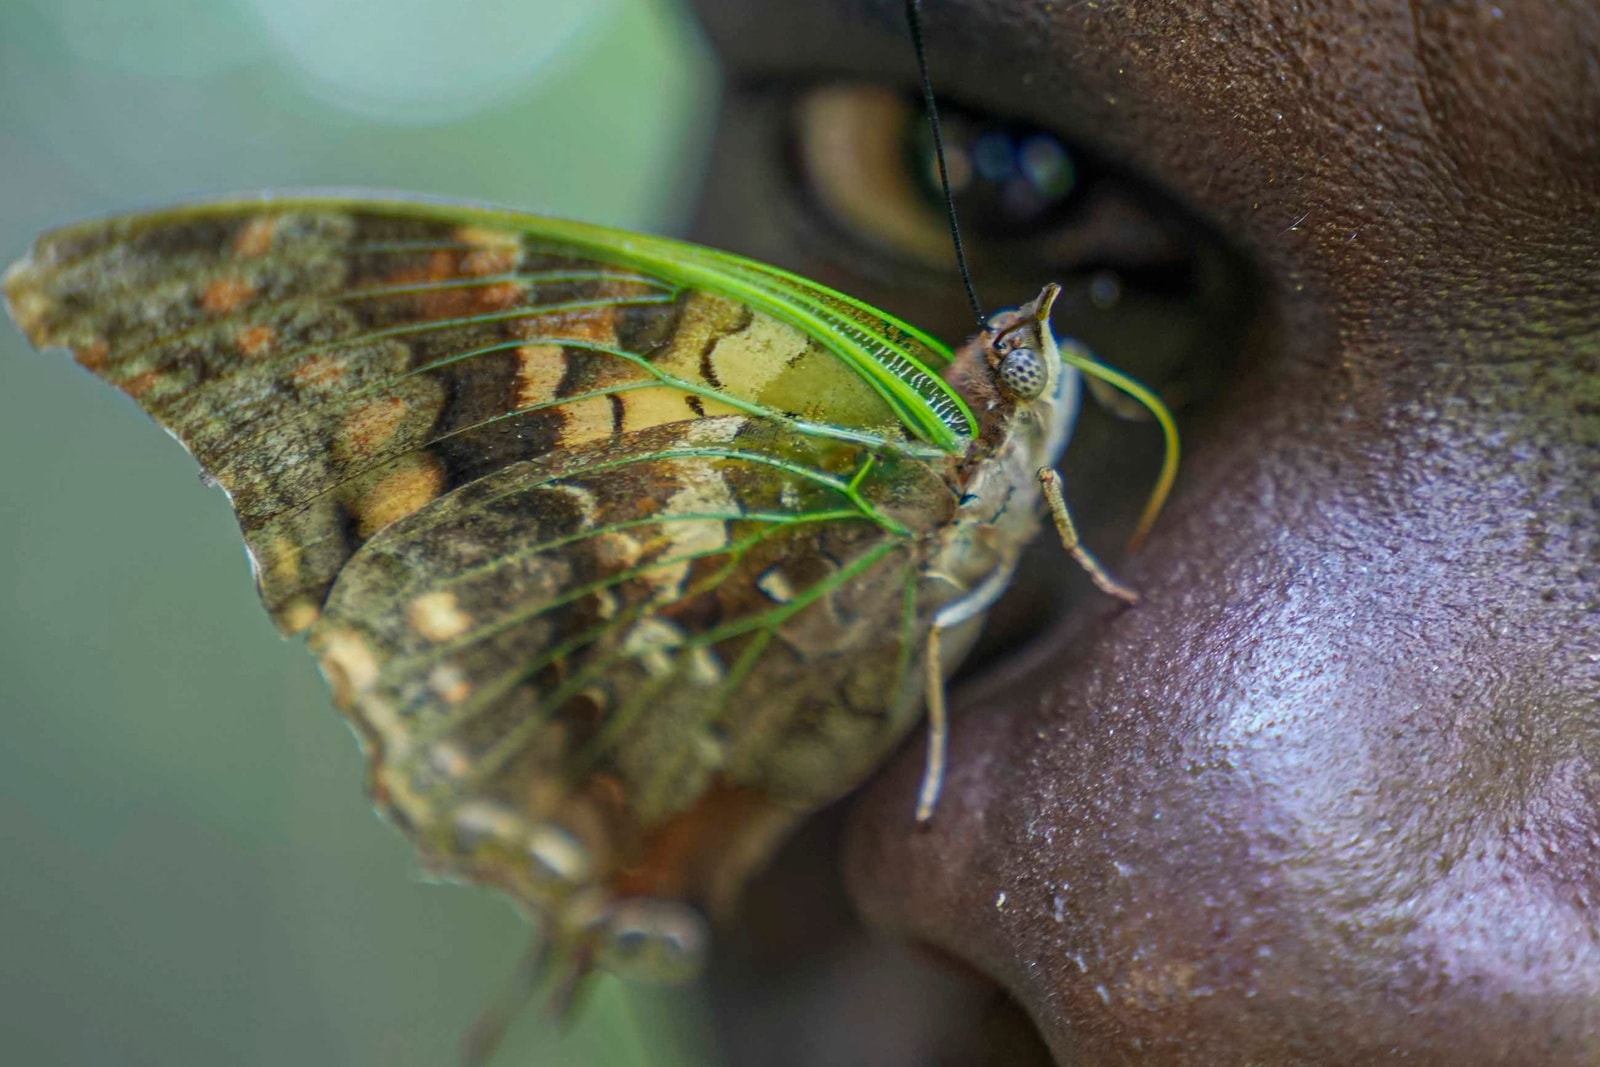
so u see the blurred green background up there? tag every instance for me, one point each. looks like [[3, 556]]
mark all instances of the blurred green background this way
[[192, 873]]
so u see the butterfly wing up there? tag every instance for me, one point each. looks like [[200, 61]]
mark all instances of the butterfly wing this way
[[611, 546]]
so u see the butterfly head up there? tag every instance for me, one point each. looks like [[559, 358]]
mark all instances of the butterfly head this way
[[1022, 353], [1013, 377]]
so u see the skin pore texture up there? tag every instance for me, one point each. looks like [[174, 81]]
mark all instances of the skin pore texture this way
[[1331, 794]]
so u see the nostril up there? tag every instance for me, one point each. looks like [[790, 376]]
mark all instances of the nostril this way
[[995, 1030], [1008, 1038], [798, 981]]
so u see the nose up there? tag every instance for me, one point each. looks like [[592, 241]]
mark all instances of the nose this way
[[1331, 793]]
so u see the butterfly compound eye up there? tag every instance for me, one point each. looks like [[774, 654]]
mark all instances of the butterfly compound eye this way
[[1022, 373], [654, 941]]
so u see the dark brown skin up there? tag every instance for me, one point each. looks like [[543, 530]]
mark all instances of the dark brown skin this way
[[1331, 794]]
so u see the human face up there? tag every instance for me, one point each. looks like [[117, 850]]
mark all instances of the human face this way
[[1330, 793]]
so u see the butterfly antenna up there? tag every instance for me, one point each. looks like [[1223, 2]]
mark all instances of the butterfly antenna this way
[[914, 22]]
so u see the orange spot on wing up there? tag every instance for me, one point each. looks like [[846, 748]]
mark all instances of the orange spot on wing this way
[[582, 421], [254, 340], [500, 296], [447, 680], [487, 239], [469, 300], [595, 325], [94, 354], [539, 373], [616, 551], [256, 237], [501, 259], [448, 264], [371, 426], [140, 384], [438, 616], [280, 561], [413, 482], [655, 407], [319, 373], [441, 265], [225, 294], [348, 663], [297, 616]]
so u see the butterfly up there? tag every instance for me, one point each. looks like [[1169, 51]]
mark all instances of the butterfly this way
[[621, 554]]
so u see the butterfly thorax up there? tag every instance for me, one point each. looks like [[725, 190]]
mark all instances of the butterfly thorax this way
[[1025, 399]]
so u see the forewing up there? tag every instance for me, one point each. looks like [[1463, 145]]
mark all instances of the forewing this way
[[610, 567]]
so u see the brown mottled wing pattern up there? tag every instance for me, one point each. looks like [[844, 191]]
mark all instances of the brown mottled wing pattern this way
[[606, 616]]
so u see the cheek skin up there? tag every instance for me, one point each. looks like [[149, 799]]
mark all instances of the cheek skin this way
[[1332, 793]]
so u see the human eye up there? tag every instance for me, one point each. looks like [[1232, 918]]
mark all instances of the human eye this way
[[1146, 286]]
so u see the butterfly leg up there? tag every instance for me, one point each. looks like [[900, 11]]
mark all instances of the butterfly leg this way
[[479, 1043], [938, 728], [965, 611], [1050, 482]]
